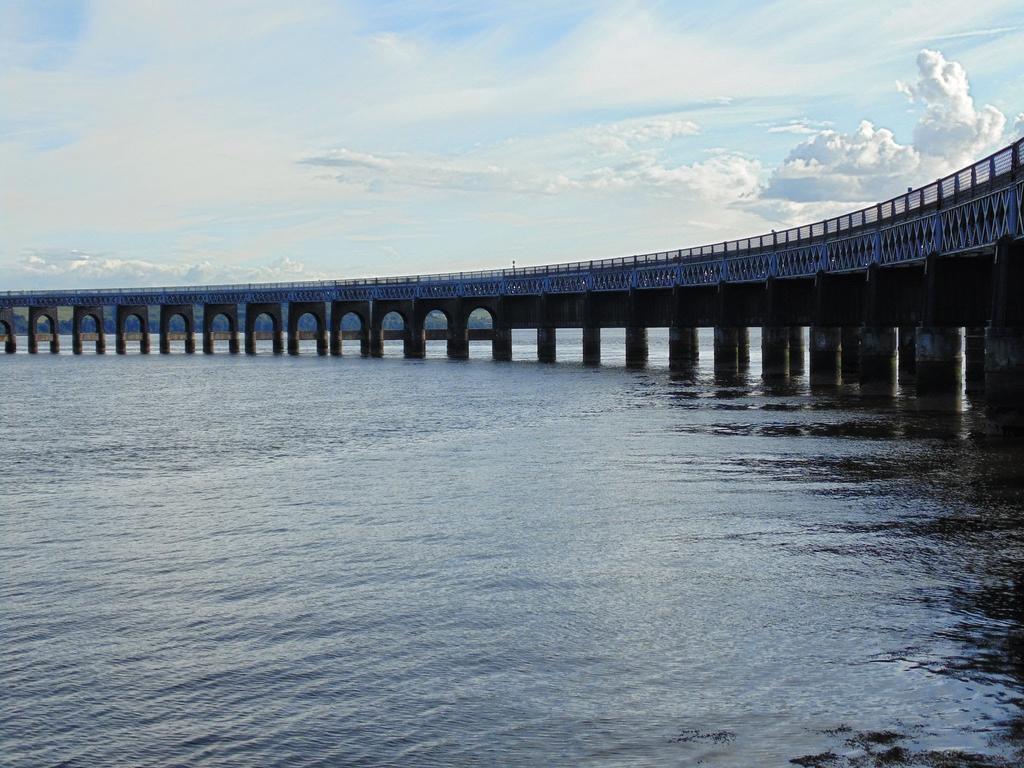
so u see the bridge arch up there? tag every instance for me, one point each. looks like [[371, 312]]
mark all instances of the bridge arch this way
[[87, 325], [7, 331], [394, 331], [436, 325], [220, 323], [176, 324], [351, 325], [263, 321], [132, 325], [301, 317], [43, 320]]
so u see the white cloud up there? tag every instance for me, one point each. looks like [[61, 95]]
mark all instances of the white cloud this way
[[952, 128], [1018, 126], [869, 164], [865, 165], [801, 127], [58, 268]]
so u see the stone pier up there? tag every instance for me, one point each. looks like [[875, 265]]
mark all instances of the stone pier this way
[[797, 349], [907, 350], [974, 359], [877, 355], [1004, 343], [727, 348], [775, 351], [591, 345], [546, 345], [826, 351], [940, 360], [683, 348], [636, 347]]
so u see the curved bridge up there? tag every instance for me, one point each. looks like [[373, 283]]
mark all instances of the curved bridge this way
[[932, 261]]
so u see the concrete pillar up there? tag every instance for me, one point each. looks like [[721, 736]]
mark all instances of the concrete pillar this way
[[826, 350], [50, 313], [414, 344], [683, 348], [850, 352], [743, 346], [501, 345], [1004, 380], [940, 360], [727, 348], [907, 350], [877, 355], [1004, 343], [376, 341], [210, 313], [637, 349], [78, 314], [797, 349], [974, 359], [591, 346], [775, 351], [458, 340], [546, 345]]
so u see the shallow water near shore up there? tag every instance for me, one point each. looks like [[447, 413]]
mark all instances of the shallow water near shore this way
[[229, 560]]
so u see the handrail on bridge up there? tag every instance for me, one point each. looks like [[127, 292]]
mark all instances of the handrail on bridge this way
[[964, 182]]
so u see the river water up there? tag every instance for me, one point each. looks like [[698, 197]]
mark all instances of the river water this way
[[230, 560]]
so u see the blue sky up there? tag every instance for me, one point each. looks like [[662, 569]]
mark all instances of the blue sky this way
[[168, 143]]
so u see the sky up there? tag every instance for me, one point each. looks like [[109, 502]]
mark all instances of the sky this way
[[159, 143]]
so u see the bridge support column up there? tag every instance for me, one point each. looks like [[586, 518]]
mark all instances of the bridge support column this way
[[78, 315], [591, 345], [826, 350], [501, 344], [7, 330], [296, 310], [414, 341], [458, 339], [974, 359], [1004, 343], [122, 313], [546, 345], [877, 355], [907, 350], [50, 313], [683, 348], [797, 349], [637, 350], [167, 312], [210, 313], [940, 360], [376, 341], [253, 311], [727, 341], [743, 346], [850, 352], [775, 351]]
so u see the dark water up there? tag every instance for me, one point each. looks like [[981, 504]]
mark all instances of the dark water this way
[[225, 561]]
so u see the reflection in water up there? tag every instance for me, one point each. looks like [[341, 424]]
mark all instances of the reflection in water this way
[[302, 561]]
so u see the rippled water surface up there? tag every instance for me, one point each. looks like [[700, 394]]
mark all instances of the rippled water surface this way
[[225, 561]]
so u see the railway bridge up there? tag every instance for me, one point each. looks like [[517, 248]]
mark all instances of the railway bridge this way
[[930, 282]]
